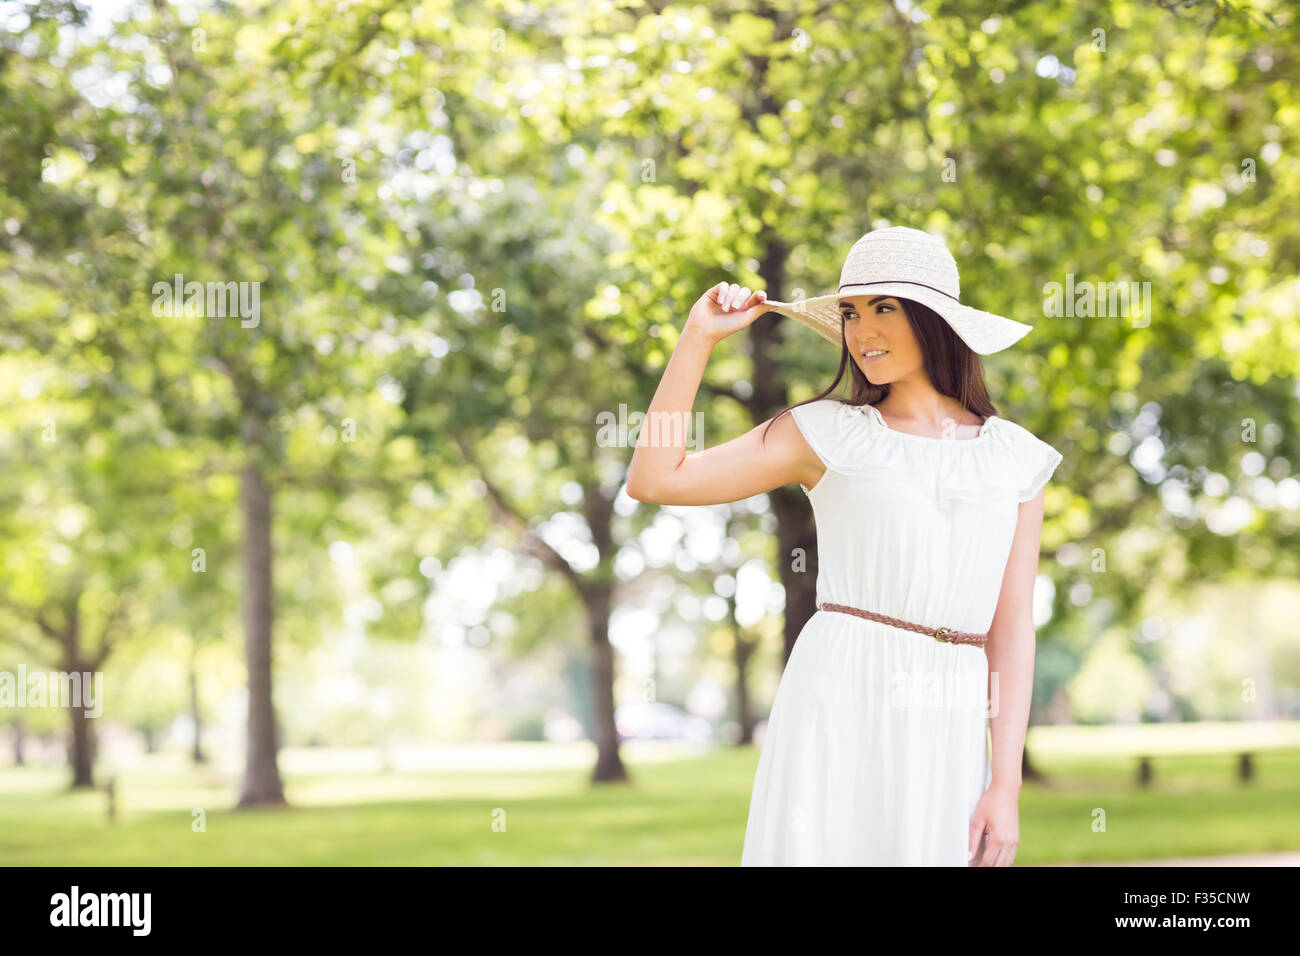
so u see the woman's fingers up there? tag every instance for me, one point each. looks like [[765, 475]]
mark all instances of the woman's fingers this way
[[1008, 854], [731, 297], [973, 841], [991, 849], [745, 298], [998, 852]]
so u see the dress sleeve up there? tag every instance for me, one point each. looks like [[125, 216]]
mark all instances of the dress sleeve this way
[[1037, 462], [813, 423]]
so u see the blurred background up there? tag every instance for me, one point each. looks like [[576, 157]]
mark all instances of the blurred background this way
[[325, 330]]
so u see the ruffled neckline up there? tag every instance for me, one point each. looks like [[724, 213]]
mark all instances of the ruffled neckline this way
[[857, 441], [985, 427]]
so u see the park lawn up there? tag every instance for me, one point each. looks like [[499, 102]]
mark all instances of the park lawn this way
[[675, 812]]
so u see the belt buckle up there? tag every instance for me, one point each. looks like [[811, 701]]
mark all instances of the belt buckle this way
[[939, 632]]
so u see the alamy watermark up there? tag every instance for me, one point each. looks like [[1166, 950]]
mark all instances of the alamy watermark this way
[[945, 690], [78, 689], [1098, 299], [661, 429], [215, 300], [132, 910]]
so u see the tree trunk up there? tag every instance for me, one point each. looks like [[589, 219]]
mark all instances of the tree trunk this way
[[261, 772], [20, 738], [83, 748], [82, 736], [1028, 771], [741, 651], [797, 539], [609, 765], [197, 753], [796, 532]]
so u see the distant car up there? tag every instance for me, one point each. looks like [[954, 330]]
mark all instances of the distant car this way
[[660, 721]]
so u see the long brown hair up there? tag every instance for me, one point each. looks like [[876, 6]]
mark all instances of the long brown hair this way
[[953, 367]]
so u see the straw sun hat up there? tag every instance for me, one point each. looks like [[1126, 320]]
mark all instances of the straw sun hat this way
[[899, 261]]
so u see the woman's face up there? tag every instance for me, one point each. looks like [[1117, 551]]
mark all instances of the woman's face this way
[[877, 323]]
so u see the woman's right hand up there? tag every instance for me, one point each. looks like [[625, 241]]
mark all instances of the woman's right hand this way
[[724, 309]]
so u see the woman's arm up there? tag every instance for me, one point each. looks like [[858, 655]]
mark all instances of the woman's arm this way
[[662, 473], [1010, 652]]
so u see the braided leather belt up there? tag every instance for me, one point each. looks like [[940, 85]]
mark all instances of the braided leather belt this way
[[938, 633]]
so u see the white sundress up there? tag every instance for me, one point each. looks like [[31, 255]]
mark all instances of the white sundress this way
[[876, 749]]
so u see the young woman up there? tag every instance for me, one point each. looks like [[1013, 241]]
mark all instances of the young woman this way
[[929, 510]]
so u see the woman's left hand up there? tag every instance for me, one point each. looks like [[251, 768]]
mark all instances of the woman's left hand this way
[[998, 815]]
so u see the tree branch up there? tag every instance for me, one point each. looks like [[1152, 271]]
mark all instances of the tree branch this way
[[530, 541]]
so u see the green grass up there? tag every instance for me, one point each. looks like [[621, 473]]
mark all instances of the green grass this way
[[685, 811]]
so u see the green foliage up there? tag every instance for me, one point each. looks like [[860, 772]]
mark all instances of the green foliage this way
[[586, 176]]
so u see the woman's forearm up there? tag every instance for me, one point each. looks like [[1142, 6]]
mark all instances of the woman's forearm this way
[[1011, 684], [661, 444]]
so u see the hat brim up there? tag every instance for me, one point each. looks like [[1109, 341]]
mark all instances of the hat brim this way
[[984, 332]]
